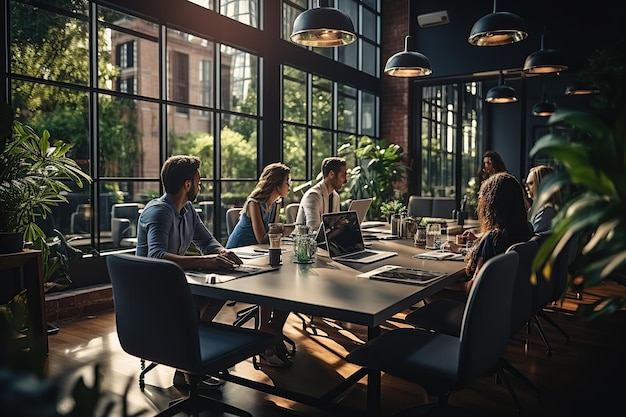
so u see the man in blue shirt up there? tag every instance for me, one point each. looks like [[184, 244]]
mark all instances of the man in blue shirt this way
[[169, 224]]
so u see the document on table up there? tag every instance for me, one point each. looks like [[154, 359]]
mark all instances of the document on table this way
[[219, 276], [439, 255], [402, 275]]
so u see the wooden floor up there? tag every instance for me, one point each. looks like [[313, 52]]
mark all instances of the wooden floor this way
[[584, 377]]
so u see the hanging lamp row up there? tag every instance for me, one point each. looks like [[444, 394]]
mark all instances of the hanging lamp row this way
[[325, 26]]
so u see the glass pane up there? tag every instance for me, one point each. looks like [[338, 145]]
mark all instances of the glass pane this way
[[369, 27], [322, 145], [346, 112], [347, 54], [239, 81], [131, 64], [289, 15], [48, 46], [244, 11], [190, 68], [322, 102], [234, 194], [207, 4], [192, 136], [238, 146], [294, 95], [62, 111], [368, 114], [294, 150], [370, 58], [128, 138]]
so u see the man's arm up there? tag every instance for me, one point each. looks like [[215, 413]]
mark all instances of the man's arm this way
[[312, 205]]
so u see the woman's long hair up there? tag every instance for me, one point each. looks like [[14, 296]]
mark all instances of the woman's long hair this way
[[501, 210], [272, 177]]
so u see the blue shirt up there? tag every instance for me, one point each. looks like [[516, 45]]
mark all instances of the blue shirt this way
[[243, 234], [162, 229], [542, 222]]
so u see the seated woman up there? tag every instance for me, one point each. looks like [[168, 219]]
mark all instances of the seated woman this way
[[502, 219], [541, 215], [260, 209]]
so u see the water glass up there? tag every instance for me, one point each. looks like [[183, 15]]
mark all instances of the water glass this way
[[433, 236]]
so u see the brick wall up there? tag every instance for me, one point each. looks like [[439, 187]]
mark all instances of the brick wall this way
[[395, 91], [78, 303]]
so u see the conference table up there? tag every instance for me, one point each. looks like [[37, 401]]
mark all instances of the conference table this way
[[330, 289]]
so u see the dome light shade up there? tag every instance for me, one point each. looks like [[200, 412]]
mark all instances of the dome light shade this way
[[581, 88], [323, 27], [544, 61], [501, 94], [497, 28], [544, 108], [408, 63]]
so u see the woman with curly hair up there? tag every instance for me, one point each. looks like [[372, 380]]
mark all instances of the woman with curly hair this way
[[260, 209], [502, 218]]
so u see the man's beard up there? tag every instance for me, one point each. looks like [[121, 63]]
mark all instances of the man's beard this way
[[192, 195]]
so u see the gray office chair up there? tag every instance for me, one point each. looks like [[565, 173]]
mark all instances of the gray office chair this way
[[419, 206], [232, 218], [550, 290], [291, 212], [124, 219], [157, 321], [442, 363], [446, 315]]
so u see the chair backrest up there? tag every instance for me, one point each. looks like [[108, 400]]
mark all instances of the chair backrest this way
[[232, 218], [291, 211], [485, 330], [443, 207], [419, 206], [155, 315], [550, 289], [522, 300]]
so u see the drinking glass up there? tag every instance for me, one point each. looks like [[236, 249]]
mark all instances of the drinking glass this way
[[433, 236]]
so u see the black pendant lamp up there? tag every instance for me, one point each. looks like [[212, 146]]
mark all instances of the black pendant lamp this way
[[497, 28], [501, 94], [408, 63], [544, 108], [323, 27], [580, 88], [544, 61]]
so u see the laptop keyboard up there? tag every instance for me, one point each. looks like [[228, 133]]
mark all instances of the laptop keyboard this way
[[359, 255]]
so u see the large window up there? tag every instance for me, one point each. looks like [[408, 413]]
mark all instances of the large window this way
[[449, 135], [151, 90], [319, 116]]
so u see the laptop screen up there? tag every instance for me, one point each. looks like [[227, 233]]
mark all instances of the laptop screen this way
[[343, 233], [360, 206]]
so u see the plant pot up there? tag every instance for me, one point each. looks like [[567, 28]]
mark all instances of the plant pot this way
[[11, 242]]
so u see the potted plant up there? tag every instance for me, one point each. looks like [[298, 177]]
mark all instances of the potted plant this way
[[593, 161], [32, 174], [32, 171], [377, 164]]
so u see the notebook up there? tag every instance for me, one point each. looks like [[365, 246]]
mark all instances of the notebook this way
[[344, 240], [402, 275], [208, 276], [360, 206]]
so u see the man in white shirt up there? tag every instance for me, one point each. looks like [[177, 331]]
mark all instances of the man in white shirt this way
[[323, 197]]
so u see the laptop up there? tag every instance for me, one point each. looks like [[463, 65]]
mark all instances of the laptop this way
[[360, 206], [344, 240]]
